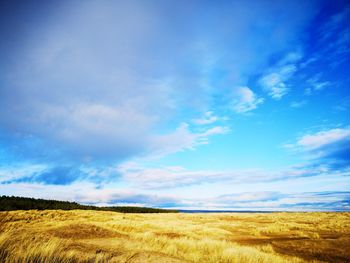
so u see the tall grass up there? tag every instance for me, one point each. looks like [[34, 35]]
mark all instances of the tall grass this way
[[98, 236]]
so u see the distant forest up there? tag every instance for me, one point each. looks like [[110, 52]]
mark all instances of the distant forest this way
[[9, 203]]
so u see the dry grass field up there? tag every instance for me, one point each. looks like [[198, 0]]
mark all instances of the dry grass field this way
[[91, 236]]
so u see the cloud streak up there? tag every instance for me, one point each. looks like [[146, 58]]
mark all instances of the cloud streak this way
[[255, 201], [328, 147], [177, 176], [181, 139]]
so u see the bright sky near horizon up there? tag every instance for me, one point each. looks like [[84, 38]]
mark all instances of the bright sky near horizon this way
[[239, 105]]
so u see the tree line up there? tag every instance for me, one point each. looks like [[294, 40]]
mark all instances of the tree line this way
[[10, 203]]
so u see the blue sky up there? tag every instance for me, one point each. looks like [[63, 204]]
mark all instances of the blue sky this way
[[177, 104]]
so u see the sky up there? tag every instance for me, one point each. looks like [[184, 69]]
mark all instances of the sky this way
[[217, 105]]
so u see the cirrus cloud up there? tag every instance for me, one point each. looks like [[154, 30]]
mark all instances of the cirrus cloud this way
[[329, 148], [245, 100]]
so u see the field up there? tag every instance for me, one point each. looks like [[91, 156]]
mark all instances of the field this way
[[98, 236]]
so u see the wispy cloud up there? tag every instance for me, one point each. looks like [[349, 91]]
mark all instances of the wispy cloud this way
[[160, 177], [58, 175], [298, 104], [334, 23], [343, 105], [334, 38], [274, 82], [328, 148], [292, 201], [245, 100], [177, 176], [264, 200], [181, 139], [208, 118], [316, 84], [324, 138], [18, 172]]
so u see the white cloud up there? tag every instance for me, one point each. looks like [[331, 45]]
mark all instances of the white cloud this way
[[328, 148], [88, 85], [100, 129], [208, 118], [274, 85], [291, 58], [321, 85], [323, 138], [293, 201], [20, 171], [177, 176], [169, 177], [274, 82], [182, 139], [245, 100], [109, 75], [316, 84]]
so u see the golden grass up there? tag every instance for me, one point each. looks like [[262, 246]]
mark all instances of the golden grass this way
[[96, 236]]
